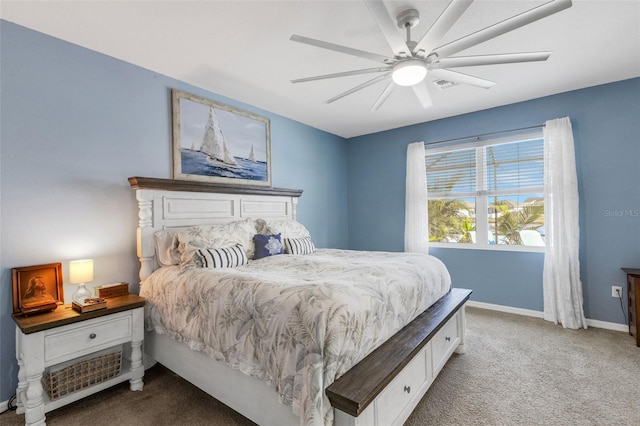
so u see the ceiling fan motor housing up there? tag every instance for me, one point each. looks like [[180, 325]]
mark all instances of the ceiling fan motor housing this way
[[408, 18]]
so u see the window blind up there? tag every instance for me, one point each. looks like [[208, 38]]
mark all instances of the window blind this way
[[514, 165], [451, 172]]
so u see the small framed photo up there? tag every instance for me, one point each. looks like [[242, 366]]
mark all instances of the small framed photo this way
[[218, 143], [37, 288]]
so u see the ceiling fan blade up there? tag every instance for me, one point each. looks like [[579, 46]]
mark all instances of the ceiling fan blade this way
[[506, 58], [343, 49], [389, 28], [503, 27], [342, 74], [422, 93], [383, 96], [460, 78], [445, 21], [358, 87]]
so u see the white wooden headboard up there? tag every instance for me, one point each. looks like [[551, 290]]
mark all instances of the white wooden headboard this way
[[166, 203]]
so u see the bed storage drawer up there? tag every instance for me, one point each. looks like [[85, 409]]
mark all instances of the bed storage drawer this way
[[401, 392], [444, 343]]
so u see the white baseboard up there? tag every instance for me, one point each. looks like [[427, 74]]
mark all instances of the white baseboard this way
[[4, 406], [537, 314], [508, 309], [608, 325]]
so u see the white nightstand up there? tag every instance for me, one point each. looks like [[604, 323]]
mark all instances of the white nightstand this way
[[49, 339]]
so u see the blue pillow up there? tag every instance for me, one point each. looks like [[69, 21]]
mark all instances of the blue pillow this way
[[267, 245]]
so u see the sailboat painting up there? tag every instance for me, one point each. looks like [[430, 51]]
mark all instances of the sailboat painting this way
[[217, 143]]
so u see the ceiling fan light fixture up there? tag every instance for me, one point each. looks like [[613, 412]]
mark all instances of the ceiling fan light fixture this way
[[409, 72]]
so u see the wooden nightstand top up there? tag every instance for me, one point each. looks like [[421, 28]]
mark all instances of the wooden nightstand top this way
[[65, 314]]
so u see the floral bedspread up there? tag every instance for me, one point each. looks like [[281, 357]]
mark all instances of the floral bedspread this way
[[296, 322]]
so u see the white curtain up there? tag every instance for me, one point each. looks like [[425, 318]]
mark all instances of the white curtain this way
[[561, 275], [416, 229]]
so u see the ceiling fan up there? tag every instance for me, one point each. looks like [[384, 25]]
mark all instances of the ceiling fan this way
[[414, 60]]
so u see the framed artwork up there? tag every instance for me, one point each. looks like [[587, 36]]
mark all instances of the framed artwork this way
[[217, 143], [37, 288]]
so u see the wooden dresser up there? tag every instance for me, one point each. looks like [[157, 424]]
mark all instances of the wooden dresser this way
[[633, 293]]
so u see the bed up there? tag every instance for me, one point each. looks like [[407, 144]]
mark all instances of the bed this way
[[323, 337]]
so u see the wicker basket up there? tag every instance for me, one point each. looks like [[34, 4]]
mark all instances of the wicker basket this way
[[63, 379]]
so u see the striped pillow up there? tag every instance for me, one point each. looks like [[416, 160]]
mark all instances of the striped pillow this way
[[228, 257], [299, 245]]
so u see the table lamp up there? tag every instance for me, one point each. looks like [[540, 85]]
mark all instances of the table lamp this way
[[81, 272]]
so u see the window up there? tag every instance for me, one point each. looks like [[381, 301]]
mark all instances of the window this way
[[489, 193]]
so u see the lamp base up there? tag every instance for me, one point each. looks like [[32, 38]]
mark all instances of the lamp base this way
[[81, 294]]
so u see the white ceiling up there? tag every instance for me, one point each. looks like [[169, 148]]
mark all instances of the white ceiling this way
[[241, 49]]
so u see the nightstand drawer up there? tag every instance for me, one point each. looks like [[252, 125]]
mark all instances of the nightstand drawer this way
[[94, 335]]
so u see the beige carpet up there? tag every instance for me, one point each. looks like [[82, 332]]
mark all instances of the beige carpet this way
[[517, 371]]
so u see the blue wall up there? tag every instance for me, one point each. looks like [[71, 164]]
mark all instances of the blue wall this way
[[606, 127], [74, 126]]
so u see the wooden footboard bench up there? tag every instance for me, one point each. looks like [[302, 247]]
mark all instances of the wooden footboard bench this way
[[385, 387]]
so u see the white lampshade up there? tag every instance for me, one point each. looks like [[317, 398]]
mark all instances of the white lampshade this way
[[81, 271], [409, 72]]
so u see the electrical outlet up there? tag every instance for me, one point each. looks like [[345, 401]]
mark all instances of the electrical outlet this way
[[616, 291]]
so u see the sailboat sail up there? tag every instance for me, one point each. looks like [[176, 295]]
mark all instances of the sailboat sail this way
[[252, 156], [228, 158], [213, 143]]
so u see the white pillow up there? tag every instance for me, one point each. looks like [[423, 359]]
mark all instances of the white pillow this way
[[288, 229], [261, 227], [242, 231], [216, 236], [167, 252]]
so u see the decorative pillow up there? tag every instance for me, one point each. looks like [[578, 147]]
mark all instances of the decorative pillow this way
[[216, 236], [299, 246], [267, 245], [167, 252], [288, 229], [227, 257]]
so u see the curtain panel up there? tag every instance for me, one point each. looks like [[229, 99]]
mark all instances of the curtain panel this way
[[416, 226], [562, 287]]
